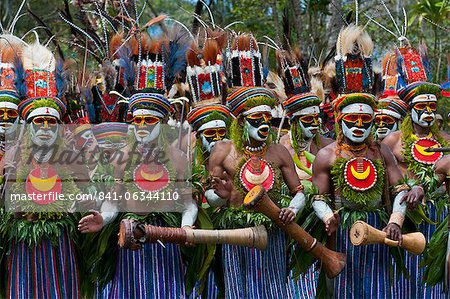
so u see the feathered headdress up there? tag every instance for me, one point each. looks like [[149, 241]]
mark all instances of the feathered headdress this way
[[391, 80], [353, 60], [11, 71], [293, 69], [160, 57], [45, 83], [412, 64], [245, 62], [204, 70], [446, 86]]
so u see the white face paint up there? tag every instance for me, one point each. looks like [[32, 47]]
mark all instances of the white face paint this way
[[207, 144], [255, 133], [423, 118], [41, 136], [384, 131], [356, 134], [148, 133], [310, 131], [8, 128]]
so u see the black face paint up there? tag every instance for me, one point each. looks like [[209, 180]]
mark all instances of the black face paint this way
[[384, 121], [37, 127], [363, 125], [421, 112], [8, 120], [257, 122]]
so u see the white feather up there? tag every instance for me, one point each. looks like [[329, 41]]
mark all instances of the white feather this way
[[36, 56]]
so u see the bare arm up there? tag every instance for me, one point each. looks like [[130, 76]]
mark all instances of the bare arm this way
[[322, 180], [392, 139], [445, 136], [442, 168], [291, 179], [321, 171], [221, 190], [395, 175], [287, 168]]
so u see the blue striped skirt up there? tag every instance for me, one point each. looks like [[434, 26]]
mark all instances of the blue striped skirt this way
[[413, 287], [306, 285], [253, 273], [43, 271], [211, 288], [366, 274], [150, 272], [102, 293]]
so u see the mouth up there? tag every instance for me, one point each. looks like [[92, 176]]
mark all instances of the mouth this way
[[142, 134], [382, 130], [264, 131], [45, 137], [428, 118], [358, 133], [314, 130]]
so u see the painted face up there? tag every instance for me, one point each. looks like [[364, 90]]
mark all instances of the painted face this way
[[356, 126], [146, 128], [384, 125], [258, 124], [44, 130], [309, 124], [424, 113], [85, 139], [211, 136], [8, 123]]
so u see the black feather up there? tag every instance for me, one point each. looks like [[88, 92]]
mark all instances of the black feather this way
[[175, 57], [20, 76]]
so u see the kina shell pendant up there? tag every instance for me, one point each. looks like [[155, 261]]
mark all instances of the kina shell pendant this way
[[256, 171], [419, 153], [151, 178], [360, 174], [43, 182]]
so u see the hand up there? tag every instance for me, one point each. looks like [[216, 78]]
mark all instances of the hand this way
[[222, 188], [286, 216], [393, 232], [413, 197], [91, 223], [332, 223], [188, 244]]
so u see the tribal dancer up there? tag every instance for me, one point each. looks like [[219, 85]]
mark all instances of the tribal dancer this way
[[418, 132], [149, 110], [391, 110], [42, 261], [10, 52], [302, 107], [251, 159], [353, 176], [437, 256], [209, 120], [303, 141]]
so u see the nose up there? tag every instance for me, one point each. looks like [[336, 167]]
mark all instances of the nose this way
[[5, 116], [359, 122], [429, 109], [315, 121], [45, 126], [216, 136], [141, 124], [266, 118]]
